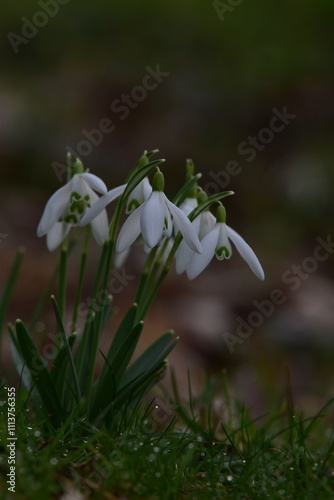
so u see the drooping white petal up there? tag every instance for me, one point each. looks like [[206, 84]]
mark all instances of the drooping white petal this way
[[101, 204], [100, 228], [152, 219], [54, 208], [130, 231], [168, 223], [146, 188], [184, 252], [99, 225], [223, 249], [139, 195], [199, 262], [56, 235], [188, 205], [120, 258], [94, 182], [183, 256], [184, 225], [246, 252], [207, 222]]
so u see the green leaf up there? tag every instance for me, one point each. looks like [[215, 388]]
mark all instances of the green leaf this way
[[150, 358], [182, 194], [116, 369], [39, 373], [9, 286], [137, 176], [70, 367], [123, 330], [207, 203]]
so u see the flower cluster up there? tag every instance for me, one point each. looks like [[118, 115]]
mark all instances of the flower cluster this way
[[151, 215]]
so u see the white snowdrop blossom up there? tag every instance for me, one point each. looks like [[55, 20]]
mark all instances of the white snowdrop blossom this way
[[66, 207], [156, 218], [217, 242]]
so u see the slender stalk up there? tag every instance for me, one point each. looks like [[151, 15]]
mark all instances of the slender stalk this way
[[78, 294], [84, 343], [63, 278], [143, 309], [144, 274], [73, 372]]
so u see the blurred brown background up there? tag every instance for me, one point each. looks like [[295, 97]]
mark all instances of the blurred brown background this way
[[222, 74]]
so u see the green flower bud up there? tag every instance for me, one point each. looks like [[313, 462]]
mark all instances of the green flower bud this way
[[158, 182], [221, 214]]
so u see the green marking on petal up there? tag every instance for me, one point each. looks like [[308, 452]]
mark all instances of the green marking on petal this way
[[222, 253], [133, 205], [71, 219]]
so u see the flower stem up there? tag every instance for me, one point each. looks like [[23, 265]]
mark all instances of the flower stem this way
[[144, 274], [145, 306], [62, 278], [80, 281]]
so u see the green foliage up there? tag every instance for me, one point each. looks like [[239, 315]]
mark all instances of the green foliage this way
[[281, 455]]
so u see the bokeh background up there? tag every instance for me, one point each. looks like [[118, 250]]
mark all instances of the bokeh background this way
[[227, 66]]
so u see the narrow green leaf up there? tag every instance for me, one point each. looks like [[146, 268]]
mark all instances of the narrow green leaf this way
[[150, 358], [123, 330], [182, 194], [116, 370], [39, 373], [70, 361], [9, 286], [139, 175], [207, 203], [59, 363]]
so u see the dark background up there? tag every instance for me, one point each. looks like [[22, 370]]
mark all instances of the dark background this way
[[227, 72]]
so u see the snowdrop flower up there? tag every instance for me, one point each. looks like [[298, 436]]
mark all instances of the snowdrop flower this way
[[66, 207], [217, 242], [153, 219]]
